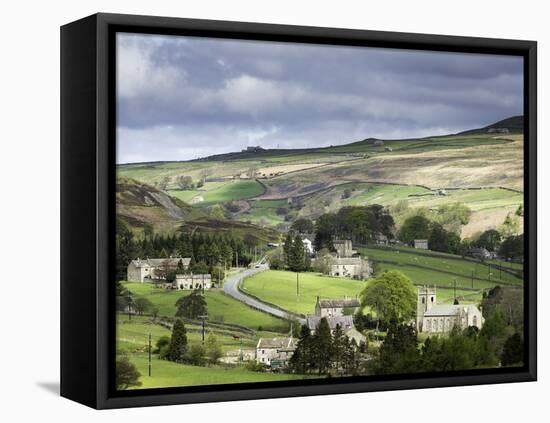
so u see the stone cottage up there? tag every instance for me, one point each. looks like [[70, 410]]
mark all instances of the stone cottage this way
[[336, 307], [149, 269], [278, 351]]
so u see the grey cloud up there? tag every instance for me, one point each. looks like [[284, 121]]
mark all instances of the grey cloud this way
[[177, 91]]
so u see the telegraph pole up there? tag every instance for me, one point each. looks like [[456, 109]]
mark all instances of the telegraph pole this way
[[129, 305], [203, 317], [472, 279], [455, 290], [149, 354], [297, 284]]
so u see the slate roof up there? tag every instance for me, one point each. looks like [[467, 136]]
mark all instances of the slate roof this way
[[156, 262], [344, 322], [339, 303], [280, 343], [447, 310]]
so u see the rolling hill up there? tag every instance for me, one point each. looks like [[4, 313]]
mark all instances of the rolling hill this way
[[481, 169]]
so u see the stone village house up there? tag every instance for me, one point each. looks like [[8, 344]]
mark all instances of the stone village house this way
[[275, 352], [147, 270], [441, 318], [336, 307], [348, 263]]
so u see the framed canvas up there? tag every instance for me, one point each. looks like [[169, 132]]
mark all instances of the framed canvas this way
[[258, 211]]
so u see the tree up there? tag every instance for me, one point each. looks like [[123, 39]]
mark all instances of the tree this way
[[127, 374], [199, 268], [178, 342], [162, 342], [512, 352], [142, 305], [512, 247], [300, 362], [191, 306], [392, 295], [510, 226], [195, 355], [297, 254], [339, 344], [490, 240], [323, 262], [398, 353], [321, 346], [302, 226], [442, 240], [185, 182], [453, 216], [287, 248], [148, 230], [213, 349], [415, 227]]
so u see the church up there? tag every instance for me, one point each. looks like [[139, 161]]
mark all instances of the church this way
[[441, 318]]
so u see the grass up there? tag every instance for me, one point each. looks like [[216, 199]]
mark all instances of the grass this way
[[440, 270], [133, 335], [167, 374], [220, 307], [279, 287], [222, 192]]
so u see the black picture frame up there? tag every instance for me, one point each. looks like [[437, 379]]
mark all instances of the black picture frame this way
[[88, 123]]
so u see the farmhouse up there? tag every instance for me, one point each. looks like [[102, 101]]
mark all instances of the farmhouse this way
[[345, 322], [337, 307], [308, 245], [378, 143], [192, 282], [275, 351], [149, 269], [421, 244], [441, 318], [348, 263], [351, 267]]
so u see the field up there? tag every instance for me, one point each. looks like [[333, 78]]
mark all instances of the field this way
[[440, 269], [484, 172], [221, 308], [220, 192], [279, 287], [132, 340], [168, 374]]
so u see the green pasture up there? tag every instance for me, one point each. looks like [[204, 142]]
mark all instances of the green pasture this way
[[221, 307], [441, 269], [168, 374], [133, 335], [279, 287], [217, 192]]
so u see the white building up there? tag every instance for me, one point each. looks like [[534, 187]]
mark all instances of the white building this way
[[440, 318], [421, 243], [147, 270], [270, 350], [308, 246], [192, 282]]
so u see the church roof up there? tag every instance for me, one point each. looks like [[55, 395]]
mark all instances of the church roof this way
[[448, 310]]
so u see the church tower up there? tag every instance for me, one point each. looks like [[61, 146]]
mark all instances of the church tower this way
[[426, 299]]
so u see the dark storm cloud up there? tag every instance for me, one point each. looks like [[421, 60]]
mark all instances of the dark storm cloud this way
[[182, 97]]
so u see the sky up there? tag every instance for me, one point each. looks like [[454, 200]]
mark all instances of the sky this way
[[181, 98]]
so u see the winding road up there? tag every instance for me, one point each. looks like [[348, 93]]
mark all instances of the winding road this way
[[231, 288]]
